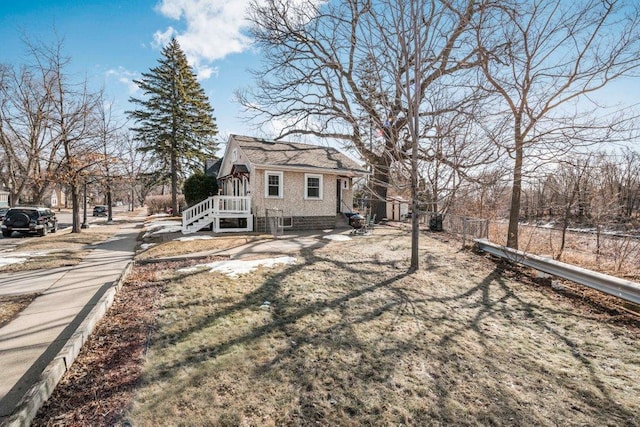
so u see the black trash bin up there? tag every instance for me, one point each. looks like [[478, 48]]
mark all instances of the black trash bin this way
[[435, 222]]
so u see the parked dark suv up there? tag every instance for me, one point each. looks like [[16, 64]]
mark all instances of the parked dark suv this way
[[100, 210], [29, 220]]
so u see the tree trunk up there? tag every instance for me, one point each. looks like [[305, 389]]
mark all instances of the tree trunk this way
[[75, 200], [415, 217], [109, 204], [174, 183], [563, 236], [516, 192], [380, 185]]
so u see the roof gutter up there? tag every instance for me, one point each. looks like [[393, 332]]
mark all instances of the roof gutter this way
[[343, 172]]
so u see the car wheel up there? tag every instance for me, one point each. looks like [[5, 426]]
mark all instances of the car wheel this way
[[6, 233], [55, 227]]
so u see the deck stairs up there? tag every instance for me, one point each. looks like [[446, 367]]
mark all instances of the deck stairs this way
[[218, 212]]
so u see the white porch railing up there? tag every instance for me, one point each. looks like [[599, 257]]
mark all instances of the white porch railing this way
[[231, 204], [212, 209]]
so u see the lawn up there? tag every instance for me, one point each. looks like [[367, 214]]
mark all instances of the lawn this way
[[62, 248], [346, 337]]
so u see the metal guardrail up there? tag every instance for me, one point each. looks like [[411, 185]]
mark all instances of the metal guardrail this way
[[621, 288]]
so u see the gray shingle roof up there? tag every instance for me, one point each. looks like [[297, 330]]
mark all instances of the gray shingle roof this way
[[280, 153], [212, 167]]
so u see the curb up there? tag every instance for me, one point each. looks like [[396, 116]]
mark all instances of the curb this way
[[37, 395]]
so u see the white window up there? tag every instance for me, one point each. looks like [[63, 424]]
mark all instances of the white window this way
[[273, 184], [236, 187], [312, 186], [234, 155]]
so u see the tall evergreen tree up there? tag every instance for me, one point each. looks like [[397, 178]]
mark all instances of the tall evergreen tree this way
[[174, 120]]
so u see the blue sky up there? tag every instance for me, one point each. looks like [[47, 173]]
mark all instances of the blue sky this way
[[113, 41]]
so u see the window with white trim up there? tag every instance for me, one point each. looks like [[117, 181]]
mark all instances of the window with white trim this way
[[273, 184], [312, 186]]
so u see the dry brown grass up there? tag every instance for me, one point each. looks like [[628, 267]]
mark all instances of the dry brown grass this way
[[11, 305], [100, 383], [62, 248], [617, 255], [168, 248], [351, 339], [55, 259]]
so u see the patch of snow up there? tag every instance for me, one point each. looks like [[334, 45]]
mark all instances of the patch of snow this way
[[146, 246], [337, 237], [154, 225], [11, 260], [160, 227], [234, 268], [190, 238], [582, 230], [20, 256]]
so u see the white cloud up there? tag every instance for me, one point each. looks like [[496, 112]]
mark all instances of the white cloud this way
[[214, 29], [124, 77], [204, 71], [161, 38]]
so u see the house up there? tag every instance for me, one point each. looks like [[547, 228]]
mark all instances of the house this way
[[304, 186], [55, 197], [4, 198], [397, 208]]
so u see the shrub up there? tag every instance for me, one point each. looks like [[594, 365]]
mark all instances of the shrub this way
[[162, 203], [198, 187]]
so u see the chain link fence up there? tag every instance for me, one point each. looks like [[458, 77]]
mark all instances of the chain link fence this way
[[612, 252], [466, 228]]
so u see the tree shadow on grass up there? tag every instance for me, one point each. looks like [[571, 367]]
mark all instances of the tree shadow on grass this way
[[387, 347]]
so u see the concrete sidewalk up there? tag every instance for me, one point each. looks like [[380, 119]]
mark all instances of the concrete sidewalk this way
[[38, 346]]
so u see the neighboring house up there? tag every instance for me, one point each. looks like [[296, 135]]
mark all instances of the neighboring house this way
[[4, 199], [212, 167], [55, 198], [397, 208], [305, 186]]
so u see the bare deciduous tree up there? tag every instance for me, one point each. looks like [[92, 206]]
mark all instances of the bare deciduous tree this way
[[31, 154], [347, 70], [139, 170], [552, 54], [72, 121]]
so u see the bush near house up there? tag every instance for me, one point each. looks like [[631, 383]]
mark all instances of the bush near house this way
[[162, 203], [198, 187]]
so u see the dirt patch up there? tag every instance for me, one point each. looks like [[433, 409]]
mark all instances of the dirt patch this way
[[100, 384], [346, 337]]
